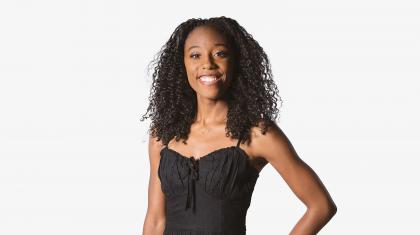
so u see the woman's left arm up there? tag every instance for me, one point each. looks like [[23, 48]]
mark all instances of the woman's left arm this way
[[276, 148]]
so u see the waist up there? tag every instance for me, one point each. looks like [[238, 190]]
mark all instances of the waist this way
[[209, 214]]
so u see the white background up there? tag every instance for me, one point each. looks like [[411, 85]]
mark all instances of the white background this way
[[73, 86]]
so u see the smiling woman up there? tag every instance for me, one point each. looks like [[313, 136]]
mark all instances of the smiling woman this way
[[208, 48], [212, 85]]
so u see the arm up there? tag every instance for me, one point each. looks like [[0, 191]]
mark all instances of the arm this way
[[154, 223], [275, 147]]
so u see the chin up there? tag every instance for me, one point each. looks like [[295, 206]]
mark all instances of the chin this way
[[208, 95]]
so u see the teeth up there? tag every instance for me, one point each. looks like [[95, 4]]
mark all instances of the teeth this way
[[208, 78]]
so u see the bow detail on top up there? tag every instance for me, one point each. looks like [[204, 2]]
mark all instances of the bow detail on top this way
[[192, 164]]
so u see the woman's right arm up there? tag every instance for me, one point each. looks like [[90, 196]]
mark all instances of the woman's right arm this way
[[154, 222]]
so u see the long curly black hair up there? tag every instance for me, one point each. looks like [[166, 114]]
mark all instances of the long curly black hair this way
[[252, 97]]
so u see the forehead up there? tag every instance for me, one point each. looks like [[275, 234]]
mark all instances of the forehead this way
[[204, 36]]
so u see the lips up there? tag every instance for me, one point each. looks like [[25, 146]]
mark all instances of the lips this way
[[209, 79]]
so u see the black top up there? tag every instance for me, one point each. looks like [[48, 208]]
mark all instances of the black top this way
[[209, 195]]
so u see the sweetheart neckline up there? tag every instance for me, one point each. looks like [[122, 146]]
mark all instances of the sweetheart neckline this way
[[202, 157], [212, 153]]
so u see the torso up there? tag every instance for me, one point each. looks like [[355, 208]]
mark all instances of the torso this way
[[208, 184]]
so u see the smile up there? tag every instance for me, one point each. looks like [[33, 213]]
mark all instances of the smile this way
[[209, 80]]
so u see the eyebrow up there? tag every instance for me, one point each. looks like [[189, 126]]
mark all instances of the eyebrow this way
[[217, 44]]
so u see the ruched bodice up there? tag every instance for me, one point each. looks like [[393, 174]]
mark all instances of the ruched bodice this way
[[209, 195]]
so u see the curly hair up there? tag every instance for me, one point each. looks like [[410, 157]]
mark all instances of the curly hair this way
[[251, 99]]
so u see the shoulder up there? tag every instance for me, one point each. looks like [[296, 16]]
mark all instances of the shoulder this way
[[265, 131], [155, 146], [267, 139]]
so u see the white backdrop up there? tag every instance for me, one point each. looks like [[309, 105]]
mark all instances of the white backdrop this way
[[73, 86]]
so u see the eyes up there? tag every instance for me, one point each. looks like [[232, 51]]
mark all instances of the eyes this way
[[221, 54]]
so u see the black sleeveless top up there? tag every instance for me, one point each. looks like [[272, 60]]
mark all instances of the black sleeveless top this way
[[209, 195]]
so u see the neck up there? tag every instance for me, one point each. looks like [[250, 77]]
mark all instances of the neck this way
[[211, 112]]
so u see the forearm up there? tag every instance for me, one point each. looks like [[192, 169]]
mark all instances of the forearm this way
[[312, 221]]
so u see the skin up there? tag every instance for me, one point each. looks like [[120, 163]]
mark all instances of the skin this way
[[205, 54]]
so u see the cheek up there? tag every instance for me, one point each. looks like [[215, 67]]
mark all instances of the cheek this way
[[190, 69], [191, 77], [191, 74], [228, 69]]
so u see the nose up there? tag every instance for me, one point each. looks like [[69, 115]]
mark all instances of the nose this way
[[208, 62]]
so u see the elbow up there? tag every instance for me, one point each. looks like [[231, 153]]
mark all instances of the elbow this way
[[153, 225], [325, 210], [153, 229], [332, 210], [328, 210]]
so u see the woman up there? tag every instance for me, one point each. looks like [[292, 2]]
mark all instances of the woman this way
[[213, 89]]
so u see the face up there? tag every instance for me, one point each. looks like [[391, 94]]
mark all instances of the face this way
[[208, 62]]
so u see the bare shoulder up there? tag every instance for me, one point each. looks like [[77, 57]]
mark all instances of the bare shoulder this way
[[155, 146], [268, 141], [253, 147], [270, 127]]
